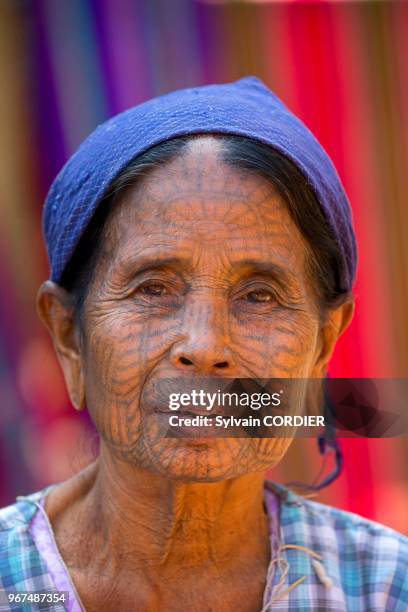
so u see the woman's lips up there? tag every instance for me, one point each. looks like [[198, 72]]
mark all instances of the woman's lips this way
[[196, 424]]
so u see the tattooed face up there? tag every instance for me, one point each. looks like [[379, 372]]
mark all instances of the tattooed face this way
[[203, 273]]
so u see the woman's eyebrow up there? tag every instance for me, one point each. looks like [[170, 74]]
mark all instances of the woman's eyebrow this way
[[138, 265], [265, 268]]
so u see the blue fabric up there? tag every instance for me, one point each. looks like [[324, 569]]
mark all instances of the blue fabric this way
[[246, 107]]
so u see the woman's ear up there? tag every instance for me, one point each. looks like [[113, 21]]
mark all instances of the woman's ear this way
[[55, 309], [335, 324]]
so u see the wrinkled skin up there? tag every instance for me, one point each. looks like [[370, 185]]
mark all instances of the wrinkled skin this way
[[203, 273]]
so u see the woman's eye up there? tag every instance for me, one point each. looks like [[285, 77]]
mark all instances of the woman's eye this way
[[154, 289], [259, 295]]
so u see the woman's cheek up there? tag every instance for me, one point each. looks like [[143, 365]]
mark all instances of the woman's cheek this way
[[277, 346], [121, 354]]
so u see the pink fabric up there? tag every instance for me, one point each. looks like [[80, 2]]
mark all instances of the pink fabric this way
[[43, 536], [272, 504]]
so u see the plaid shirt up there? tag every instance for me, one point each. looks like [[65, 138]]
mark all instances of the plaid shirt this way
[[361, 565]]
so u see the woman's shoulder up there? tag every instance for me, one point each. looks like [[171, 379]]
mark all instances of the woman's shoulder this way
[[325, 524], [364, 559], [20, 513], [321, 515], [354, 529], [19, 557]]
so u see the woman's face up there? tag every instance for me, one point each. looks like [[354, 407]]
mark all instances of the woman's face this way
[[203, 273]]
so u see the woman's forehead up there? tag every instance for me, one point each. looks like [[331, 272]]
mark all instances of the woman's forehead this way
[[199, 186], [204, 207], [213, 213]]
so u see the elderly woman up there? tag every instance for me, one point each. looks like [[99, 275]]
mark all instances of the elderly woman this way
[[205, 234]]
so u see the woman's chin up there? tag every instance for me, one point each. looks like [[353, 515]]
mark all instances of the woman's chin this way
[[199, 459], [205, 459]]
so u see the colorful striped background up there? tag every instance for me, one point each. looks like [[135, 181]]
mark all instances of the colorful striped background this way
[[66, 65]]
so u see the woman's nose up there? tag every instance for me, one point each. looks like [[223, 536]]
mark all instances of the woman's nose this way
[[205, 346], [200, 361]]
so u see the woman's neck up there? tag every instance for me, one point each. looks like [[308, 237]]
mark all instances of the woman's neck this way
[[130, 515]]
